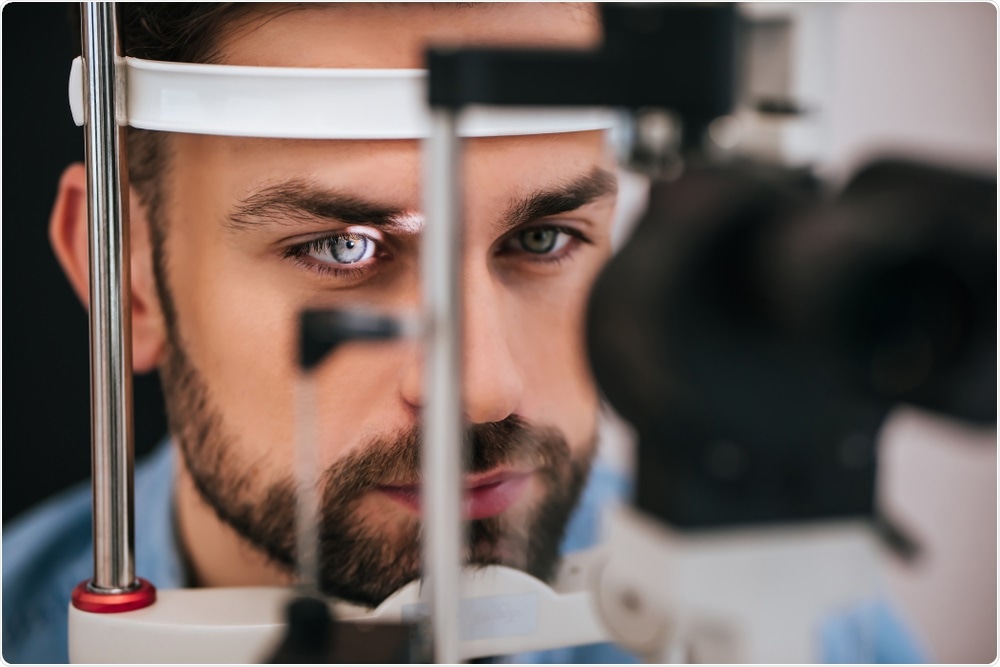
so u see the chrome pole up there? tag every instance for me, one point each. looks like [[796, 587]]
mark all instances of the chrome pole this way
[[110, 305], [443, 427], [307, 514]]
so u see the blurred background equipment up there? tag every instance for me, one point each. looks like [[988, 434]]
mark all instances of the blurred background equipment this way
[[757, 333]]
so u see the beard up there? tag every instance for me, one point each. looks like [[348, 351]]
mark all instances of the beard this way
[[364, 561]]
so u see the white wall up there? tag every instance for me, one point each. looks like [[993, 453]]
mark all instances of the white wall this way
[[917, 78], [921, 80]]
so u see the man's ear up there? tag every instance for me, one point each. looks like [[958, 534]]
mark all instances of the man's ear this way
[[69, 233]]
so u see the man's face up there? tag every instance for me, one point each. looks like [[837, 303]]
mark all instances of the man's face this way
[[258, 229]]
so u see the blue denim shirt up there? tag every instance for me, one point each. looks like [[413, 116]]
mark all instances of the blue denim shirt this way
[[47, 552]]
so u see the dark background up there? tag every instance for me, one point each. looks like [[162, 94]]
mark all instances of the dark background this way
[[46, 426]]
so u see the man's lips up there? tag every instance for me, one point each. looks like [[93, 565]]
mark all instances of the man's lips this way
[[486, 494]]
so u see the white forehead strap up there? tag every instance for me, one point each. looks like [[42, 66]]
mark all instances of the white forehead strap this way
[[309, 103]]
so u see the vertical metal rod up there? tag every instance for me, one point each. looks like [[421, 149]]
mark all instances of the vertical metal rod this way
[[307, 475], [110, 305], [443, 425]]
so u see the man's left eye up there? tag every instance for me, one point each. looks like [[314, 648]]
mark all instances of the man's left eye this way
[[542, 240]]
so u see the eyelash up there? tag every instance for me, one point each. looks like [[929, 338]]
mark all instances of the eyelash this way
[[576, 237], [300, 252]]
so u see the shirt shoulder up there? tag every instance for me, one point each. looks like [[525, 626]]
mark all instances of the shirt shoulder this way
[[49, 551], [46, 553]]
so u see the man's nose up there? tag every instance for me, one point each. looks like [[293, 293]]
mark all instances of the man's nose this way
[[492, 384]]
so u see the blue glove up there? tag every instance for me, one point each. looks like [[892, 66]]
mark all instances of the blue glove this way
[[870, 633]]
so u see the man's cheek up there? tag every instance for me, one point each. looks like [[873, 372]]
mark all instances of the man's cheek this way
[[557, 377], [242, 344]]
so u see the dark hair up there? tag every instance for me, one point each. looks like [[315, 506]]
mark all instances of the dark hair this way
[[171, 31]]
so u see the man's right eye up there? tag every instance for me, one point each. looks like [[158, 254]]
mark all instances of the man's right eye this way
[[347, 254], [340, 249]]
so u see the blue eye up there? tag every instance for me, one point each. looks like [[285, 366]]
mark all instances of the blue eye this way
[[341, 249]]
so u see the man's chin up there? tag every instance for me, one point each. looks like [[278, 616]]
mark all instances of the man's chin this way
[[487, 547], [371, 565]]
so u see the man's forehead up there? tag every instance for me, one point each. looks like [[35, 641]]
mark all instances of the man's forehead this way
[[395, 35]]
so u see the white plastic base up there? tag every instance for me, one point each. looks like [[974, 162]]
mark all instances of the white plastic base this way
[[503, 611], [739, 595], [206, 625]]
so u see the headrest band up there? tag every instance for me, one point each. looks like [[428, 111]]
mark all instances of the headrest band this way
[[310, 103]]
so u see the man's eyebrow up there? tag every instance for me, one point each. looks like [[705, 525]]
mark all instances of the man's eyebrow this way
[[295, 201], [560, 199]]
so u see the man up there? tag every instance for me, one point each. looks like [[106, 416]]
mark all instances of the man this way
[[232, 237]]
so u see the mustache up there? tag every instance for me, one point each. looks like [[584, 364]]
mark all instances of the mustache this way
[[395, 460]]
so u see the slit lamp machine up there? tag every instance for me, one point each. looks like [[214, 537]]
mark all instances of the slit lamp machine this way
[[744, 528]]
